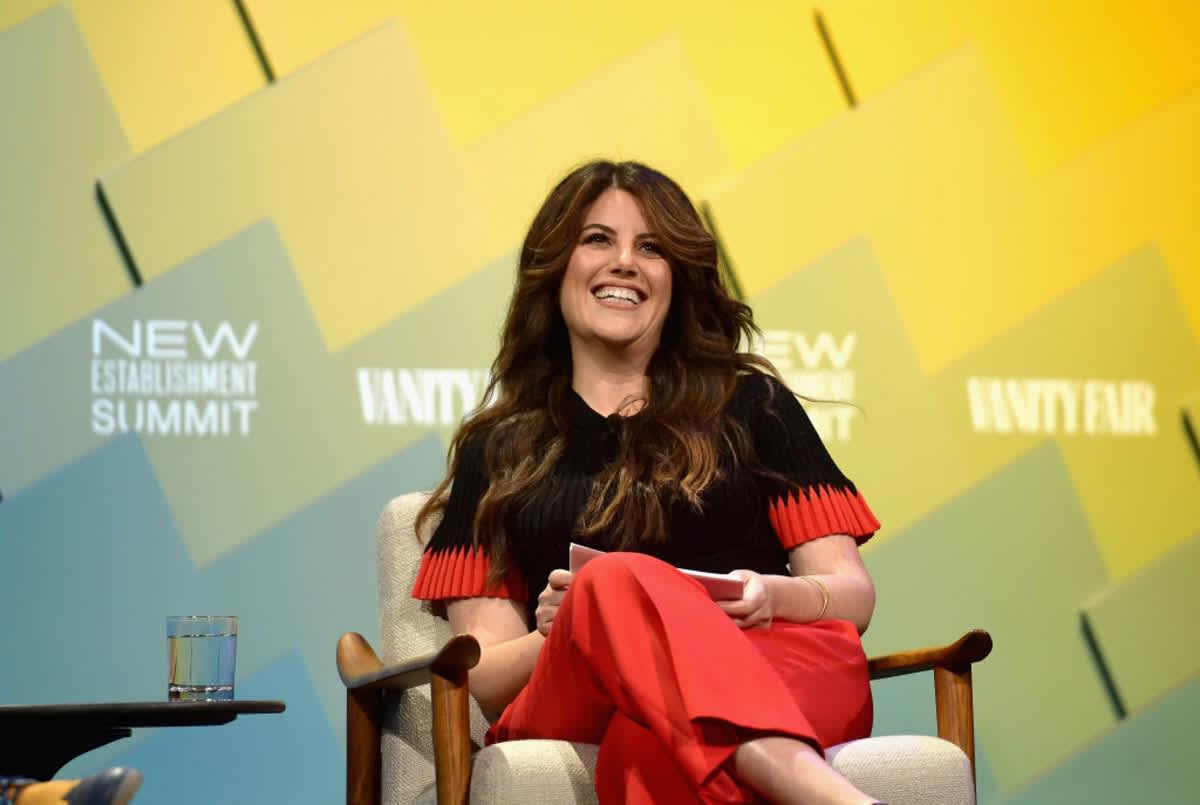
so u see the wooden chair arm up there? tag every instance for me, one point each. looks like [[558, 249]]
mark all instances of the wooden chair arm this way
[[972, 647], [360, 667], [366, 678], [953, 695]]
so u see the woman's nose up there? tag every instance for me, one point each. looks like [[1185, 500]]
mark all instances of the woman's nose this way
[[625, 263], [624, 267]]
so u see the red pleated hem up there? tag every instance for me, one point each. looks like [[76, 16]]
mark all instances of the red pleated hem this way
[[819, 511], [462, 573]]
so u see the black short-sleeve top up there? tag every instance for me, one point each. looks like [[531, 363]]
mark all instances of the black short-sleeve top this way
[[748, 519]]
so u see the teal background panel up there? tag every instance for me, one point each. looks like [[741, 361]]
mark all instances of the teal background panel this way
[[285, 758], [1147, 626], [1149, 757], [299, 585], [93, 551], [1013, 555]]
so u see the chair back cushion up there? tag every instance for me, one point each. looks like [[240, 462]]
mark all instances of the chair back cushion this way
[[408, 628]]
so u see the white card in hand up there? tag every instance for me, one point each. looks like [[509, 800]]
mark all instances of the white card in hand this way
[[720, 586]]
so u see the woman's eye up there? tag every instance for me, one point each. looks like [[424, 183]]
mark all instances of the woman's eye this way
[[652, 247], [595, 237]]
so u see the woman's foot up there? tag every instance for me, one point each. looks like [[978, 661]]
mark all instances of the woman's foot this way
[[11, 786], [787, 771], [115, 786]]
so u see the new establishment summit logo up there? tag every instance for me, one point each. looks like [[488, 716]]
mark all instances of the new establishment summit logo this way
[[173, 377]]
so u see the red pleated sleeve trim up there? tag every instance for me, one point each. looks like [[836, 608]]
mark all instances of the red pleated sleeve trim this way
[[462, 573], [820, 511]]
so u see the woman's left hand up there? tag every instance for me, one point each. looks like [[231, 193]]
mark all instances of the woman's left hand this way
[[755, 608]]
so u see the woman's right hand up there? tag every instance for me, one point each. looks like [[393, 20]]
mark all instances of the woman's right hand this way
[[550, 599]]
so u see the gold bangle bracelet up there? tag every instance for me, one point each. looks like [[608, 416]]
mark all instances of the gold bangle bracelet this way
[[820, 585]]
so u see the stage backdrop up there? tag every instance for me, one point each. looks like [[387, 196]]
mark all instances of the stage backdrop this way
[[253, 258]]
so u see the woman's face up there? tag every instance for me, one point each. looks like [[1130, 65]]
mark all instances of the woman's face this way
[[617, 287]]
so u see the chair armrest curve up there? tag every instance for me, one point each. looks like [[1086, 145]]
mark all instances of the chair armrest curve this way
[[971, 648], [360, 667]]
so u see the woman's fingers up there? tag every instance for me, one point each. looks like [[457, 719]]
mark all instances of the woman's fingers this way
[[550, 599], [556, 585], [544, 622], [737, 609], [754, 607], [547, 609], [755, 620]]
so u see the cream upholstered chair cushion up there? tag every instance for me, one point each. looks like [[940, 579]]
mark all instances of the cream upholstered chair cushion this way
[[907, 769], [407, 629], [900, 769]]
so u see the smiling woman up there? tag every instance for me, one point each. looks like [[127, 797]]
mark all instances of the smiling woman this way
[[625, 416]]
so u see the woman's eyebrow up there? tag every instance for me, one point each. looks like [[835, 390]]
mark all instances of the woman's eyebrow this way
[[612, 231]]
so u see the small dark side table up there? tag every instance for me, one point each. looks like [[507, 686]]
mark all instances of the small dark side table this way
[[38, 740]]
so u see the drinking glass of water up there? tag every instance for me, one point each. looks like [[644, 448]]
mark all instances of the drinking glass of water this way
[[201, 653]]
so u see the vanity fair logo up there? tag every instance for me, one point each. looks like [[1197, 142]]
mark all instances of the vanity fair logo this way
[[171, 377], [419, 396], [817, 367], [1037, 405]]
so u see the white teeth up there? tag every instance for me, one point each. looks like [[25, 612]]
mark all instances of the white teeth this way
[[612, 292]]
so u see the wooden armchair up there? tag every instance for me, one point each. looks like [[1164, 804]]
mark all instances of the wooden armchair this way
[[403, 748]]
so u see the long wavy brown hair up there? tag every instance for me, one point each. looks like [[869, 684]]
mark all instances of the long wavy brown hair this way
[[670, 450]]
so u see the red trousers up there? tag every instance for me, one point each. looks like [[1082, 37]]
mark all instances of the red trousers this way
[[643, 663]]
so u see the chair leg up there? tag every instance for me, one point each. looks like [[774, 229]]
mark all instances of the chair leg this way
[[363, 767], [451, 736], [955, 708]]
